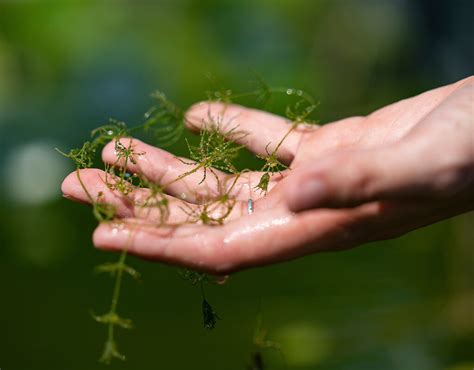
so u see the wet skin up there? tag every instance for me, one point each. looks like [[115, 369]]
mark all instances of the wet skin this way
[[353, 181]]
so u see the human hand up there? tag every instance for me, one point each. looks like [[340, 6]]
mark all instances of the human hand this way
[[352, 181]]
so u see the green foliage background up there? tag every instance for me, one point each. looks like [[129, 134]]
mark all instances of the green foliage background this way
[[67, 66]]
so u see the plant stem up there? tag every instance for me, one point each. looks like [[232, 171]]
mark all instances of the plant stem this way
[[118, 281], [78, 173], [293, 126], [116, 296]]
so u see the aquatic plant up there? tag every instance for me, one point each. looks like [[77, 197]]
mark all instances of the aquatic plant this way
[[216, 151], [260, 344]]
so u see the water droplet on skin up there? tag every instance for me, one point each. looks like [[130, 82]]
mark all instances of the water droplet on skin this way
[[116, 227], [183, 196]]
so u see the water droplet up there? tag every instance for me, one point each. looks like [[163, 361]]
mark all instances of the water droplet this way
[[299, 92], [149, 112], [116, 227], [110, 132], [290, 91]]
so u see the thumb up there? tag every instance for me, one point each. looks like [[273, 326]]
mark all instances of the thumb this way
[[352, 178]]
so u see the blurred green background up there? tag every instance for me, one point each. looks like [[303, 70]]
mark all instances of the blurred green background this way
[[67, 66]]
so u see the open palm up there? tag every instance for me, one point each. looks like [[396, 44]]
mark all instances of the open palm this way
[[372, 183]]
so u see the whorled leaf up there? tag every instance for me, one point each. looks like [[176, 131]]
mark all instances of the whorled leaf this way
[[114, 267], [112, 318], [110, 352]]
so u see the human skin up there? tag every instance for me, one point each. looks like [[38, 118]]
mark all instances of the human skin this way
[[353, 181]]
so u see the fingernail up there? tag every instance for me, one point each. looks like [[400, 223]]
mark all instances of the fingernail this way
[[307, 195]]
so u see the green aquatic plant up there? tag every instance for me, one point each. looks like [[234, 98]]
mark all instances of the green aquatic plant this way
[[164, 122], [112, 319], [260, 344], [105, 212], [270, 167], [82, 157], [298, 112], [154, 200], [209, 315], [217, 150], [217, 91]]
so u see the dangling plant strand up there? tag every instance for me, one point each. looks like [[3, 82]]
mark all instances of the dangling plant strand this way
[[163, 121], [84, 158], [260, 344], [209, 315], [112, 319]]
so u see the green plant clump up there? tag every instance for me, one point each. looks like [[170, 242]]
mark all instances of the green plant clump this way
[[216, 149]]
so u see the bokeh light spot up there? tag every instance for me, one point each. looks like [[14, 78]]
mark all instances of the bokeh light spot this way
[[33, 173]]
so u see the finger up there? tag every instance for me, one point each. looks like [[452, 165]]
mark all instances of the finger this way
[[142, 203], [207, 248], [352, 178], [259, 131], [161, 167], [174, 245], [349, 179], [95, 185], [265, 237]]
